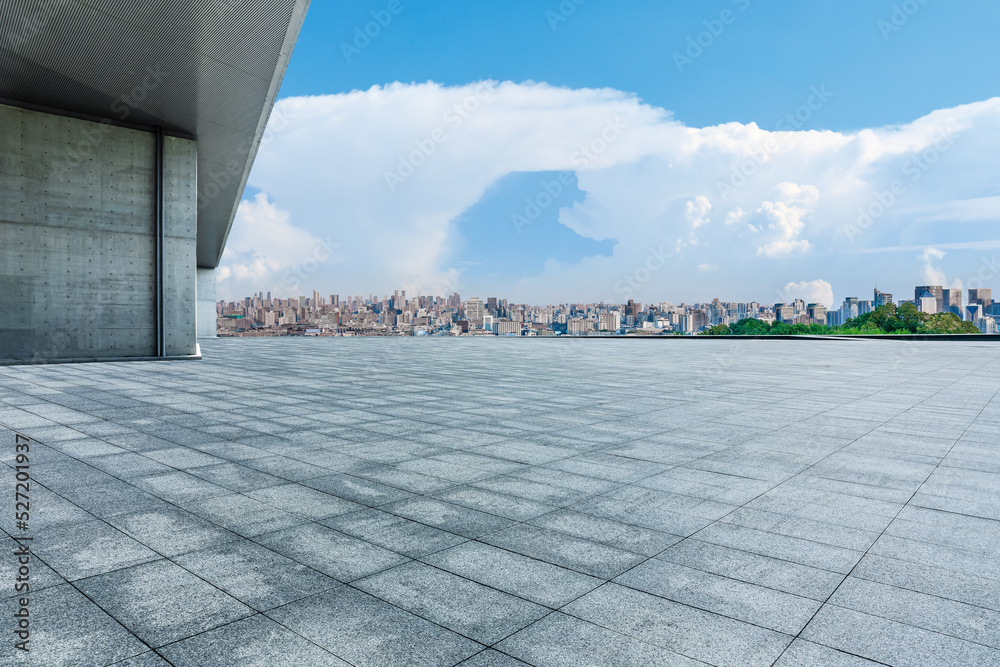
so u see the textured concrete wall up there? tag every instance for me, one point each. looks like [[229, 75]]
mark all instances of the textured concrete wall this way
[[206, 303], [180, 232], [77, 239]]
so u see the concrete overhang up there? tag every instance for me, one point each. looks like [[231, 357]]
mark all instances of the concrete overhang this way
[[207, 70]]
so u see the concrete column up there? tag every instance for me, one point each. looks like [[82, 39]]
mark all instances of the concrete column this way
[[206, 303], [180, 234]]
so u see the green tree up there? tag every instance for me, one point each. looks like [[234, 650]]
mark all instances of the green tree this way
[[946, 323], [750, 327], [717, 330], [910, 318], [780, 329]]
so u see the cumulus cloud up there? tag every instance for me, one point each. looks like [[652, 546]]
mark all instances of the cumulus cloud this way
[[785, 218], [266, 252], [696, 211], [736, 216], [648, 182], [810, 291]]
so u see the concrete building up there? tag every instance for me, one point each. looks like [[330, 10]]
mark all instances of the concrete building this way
[[504, 327], [881, 298], [817, 313], [610, 321], [784, 312], [474, 309], [129, 130]]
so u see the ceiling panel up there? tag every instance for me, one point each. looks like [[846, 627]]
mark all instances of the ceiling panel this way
[[208, 69]]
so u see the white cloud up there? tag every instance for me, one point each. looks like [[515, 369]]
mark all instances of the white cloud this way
[[932, 275], [707, 267], [785, 217], [736, 216], [810, 291], [696, 211], [266, 252], [638, 168]]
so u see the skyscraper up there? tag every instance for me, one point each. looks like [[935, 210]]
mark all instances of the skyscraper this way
[[984, 297], [784, 312], [849, 309], [927, 303], [817, 313], [953, 301], [474, 309], [935, 290], [882, 298]]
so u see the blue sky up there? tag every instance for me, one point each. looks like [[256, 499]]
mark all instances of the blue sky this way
[[861, 65], [760, 66]]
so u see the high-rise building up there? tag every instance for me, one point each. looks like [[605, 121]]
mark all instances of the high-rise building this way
[[784, 312], [927, 303], [474, 309], [849, 309], [492, 306], [953, 301], [699, 319], [882, 298], [935, 290], [817, 313], [982, 296], [610, 321]]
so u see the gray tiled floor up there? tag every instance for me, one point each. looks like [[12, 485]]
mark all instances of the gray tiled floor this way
[[509, 502]]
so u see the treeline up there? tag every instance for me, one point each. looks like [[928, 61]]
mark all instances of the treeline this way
[[887, 319]]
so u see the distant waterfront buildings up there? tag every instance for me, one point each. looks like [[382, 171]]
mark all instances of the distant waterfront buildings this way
[[398, 314], [474, 309], [983, 297]]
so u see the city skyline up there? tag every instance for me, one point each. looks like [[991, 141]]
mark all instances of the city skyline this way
[[542, 174], [401, 314]]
